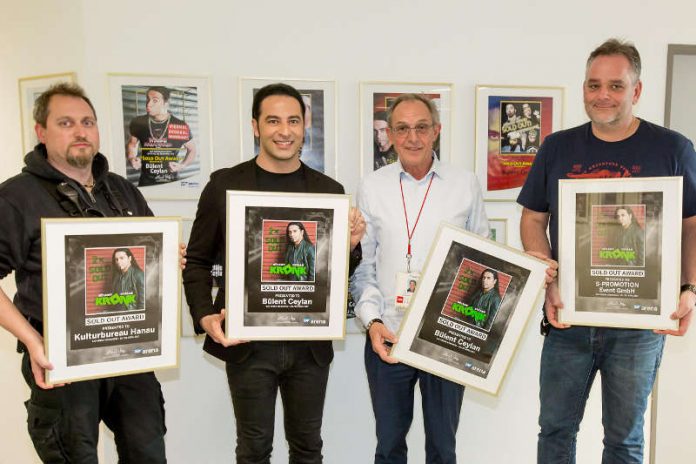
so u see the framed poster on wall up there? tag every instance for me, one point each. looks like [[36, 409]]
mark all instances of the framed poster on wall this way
[[162, 134], [375, 100], [319, 97], [29, 90], [511, 124]]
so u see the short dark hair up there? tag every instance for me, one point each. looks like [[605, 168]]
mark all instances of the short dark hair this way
[[494, 273], [275, 89], [165, 92], [380, 116], [67, 89], [615, 46]]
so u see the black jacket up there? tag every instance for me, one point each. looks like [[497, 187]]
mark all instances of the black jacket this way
[[25, 199], [208, 242]]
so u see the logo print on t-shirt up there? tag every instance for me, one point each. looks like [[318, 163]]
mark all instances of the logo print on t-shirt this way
[[602, 170]]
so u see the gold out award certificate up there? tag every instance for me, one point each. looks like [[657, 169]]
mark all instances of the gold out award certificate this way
[[287, 265], [620, 251]]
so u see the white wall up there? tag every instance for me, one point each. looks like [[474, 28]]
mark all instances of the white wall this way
[[465, 42]]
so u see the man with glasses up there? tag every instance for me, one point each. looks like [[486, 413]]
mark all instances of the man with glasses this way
[[403, 204], [65, 176], [614, 143]]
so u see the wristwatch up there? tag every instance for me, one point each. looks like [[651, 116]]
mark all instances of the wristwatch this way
[[689, 287], [369, 324]]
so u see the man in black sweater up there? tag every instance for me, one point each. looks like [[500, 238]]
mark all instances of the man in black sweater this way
[[257, 370], [64, 421]]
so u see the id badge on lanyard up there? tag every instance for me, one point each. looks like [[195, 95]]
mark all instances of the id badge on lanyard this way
[[406, 282]]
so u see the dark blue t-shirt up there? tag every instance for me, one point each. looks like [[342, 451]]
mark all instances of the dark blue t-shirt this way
[[576, 153]]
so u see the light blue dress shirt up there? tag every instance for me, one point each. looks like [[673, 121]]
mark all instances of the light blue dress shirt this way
[[455, 197]]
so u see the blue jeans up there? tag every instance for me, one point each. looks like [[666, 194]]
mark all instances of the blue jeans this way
[[288, 367], [391, 389], [628, 360]]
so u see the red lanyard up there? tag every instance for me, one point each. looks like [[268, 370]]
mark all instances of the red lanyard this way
[[410, 232]]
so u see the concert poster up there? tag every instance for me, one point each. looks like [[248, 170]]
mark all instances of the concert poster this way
[[511, 125], [469, 309], [114, 301], [161, 127], [617, 260], [517, 126]]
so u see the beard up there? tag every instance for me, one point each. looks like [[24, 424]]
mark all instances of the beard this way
[[79, 161], [82, 158]]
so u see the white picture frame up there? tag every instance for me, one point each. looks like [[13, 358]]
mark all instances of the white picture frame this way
[[271, 296], [604, 279], [454, 328], [92, 328]]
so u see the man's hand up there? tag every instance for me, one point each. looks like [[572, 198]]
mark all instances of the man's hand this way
[[212, 324], [135, 162], [552, 304], [182, 255], [357, 227], [551, 270], [683, 313], [39, 363], [379, 334]]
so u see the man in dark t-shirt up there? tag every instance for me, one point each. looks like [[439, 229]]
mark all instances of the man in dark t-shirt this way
[[156, 139], [257, 370], [613, 144]]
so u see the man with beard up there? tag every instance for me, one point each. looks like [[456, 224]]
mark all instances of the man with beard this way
[[618, 142], [66, 176]]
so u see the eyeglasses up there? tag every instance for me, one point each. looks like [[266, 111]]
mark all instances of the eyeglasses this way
[[420, 129]]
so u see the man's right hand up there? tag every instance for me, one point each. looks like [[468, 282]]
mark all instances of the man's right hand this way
[[39, 364], [379, 334], [552, 304], [212, 324], [135, 162]]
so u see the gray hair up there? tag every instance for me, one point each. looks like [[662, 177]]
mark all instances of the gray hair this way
[[434, 114]]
